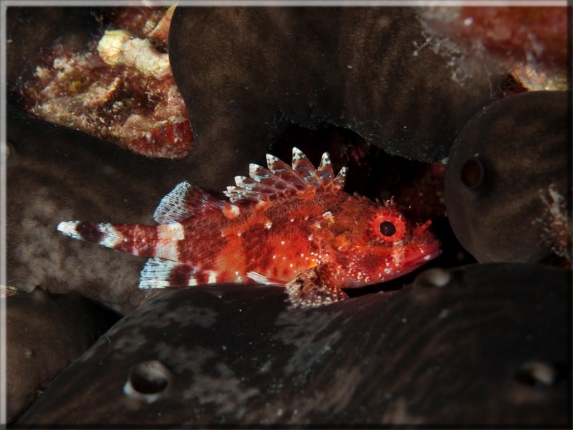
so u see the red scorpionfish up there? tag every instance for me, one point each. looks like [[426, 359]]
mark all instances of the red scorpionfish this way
[[290, 226]]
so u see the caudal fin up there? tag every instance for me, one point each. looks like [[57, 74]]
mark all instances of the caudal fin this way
[[103, 234]]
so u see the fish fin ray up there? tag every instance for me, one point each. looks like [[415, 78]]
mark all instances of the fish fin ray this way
[[262, 279], [182, 202], [304, 168], [311, 289], [324, 171], [162, 273], [280, 180]]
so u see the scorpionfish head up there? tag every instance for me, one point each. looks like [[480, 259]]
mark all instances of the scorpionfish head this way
[[368, 243]]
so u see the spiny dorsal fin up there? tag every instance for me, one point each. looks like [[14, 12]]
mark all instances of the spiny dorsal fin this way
[[280, 179], [182, 202]]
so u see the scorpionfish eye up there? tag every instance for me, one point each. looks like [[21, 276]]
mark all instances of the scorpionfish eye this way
[[388, 226]]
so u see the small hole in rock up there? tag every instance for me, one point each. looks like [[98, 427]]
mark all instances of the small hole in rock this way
[[435, 277], [539, 374], [149, 377], [472, 173]]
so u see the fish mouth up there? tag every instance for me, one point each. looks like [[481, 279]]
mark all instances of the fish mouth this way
[[434, 251]]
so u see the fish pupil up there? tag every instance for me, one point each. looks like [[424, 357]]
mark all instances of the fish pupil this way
[[387, 228]]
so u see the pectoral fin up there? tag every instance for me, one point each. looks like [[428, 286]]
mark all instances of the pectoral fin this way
[[312, 288]]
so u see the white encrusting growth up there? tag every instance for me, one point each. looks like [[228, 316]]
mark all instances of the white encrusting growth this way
[[118, 47]]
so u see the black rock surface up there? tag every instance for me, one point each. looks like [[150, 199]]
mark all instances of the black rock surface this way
[[56, 174], [45, 334], [505, 169], [247, 73], [479, 345]]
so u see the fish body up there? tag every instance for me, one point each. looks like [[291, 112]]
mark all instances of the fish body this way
[[291, 226]]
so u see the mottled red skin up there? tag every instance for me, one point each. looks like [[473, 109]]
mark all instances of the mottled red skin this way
[[344, 245], [291, 226]]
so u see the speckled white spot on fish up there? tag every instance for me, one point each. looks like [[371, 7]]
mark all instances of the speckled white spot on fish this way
[[328, 217], [111, 236], [170, 232], [167, 249], [231, 211], [212, 277]]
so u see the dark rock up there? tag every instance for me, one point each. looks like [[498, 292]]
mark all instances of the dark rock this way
[[507, 181], [56, 174], [45, 334], [482, 345], [247, 73]]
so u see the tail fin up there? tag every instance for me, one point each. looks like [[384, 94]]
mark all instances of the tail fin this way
[[103, 234], [133, 239]]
